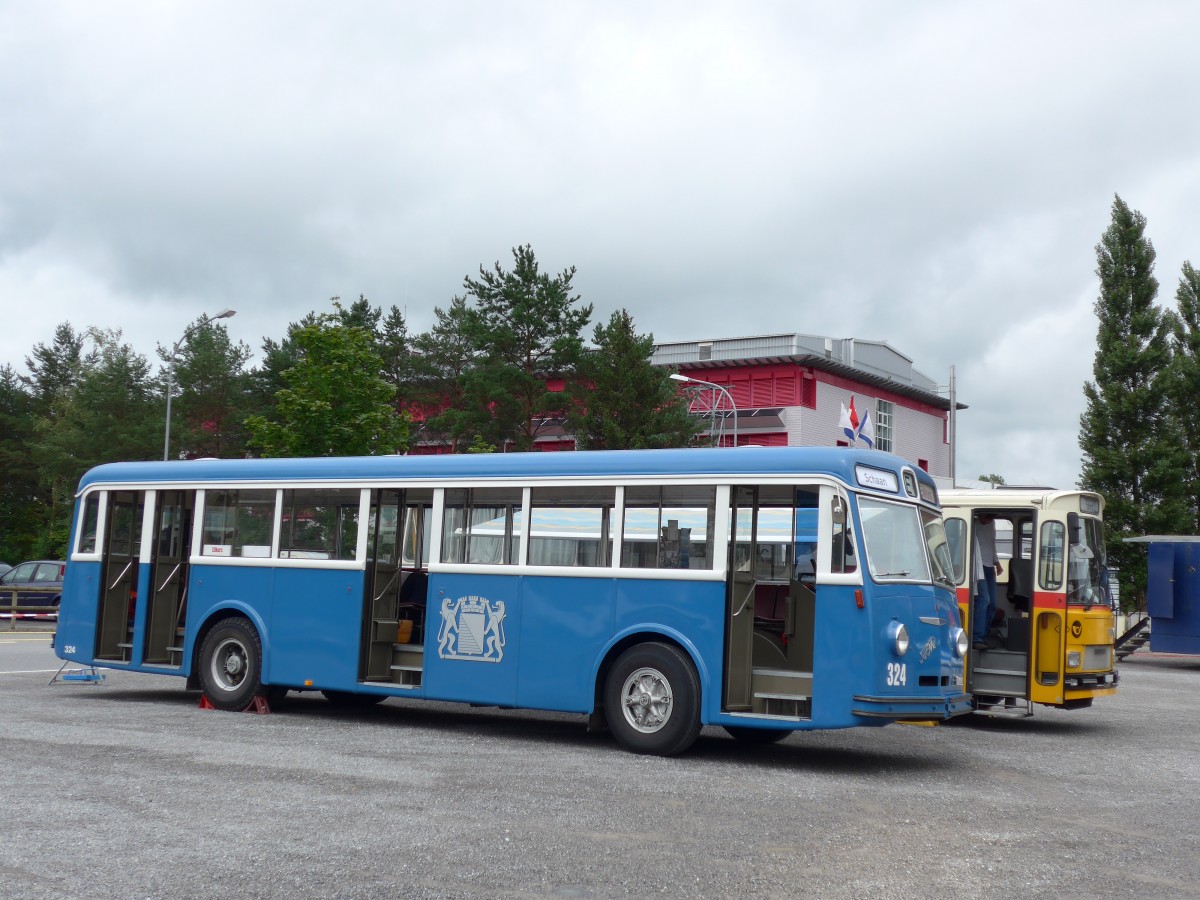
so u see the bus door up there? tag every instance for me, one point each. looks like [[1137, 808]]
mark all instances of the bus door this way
[[169, 579], [396, 586], [1048, 612], [1001, 669], [114, 636], [739, 603], [771, 603]]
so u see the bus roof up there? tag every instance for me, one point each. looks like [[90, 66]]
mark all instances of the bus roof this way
[[833, 461], [1003, 497]]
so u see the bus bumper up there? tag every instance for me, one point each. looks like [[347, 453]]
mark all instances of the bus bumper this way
[[900, 709]]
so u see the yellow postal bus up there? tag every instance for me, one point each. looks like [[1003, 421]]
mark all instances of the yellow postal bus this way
[[1051, 640]]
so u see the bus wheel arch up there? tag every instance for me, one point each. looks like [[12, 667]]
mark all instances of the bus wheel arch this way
[[651, 696], [229, 664]]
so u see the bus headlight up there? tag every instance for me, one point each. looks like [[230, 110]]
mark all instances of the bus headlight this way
[[1073, 659], [961, 644], [899, 635]]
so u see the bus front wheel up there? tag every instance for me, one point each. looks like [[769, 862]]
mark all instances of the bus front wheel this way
[[652, 700], [231, 664]]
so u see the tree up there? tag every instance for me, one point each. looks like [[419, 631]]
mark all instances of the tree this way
[[442, 358], [111, 413], [213, 397], [1186, 388], [335, 402], [994, 480], [19, 510], [527, 329], [620, 400], [1130, 442]]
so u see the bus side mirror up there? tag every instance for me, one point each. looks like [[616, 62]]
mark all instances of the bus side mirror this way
[[839, 511]]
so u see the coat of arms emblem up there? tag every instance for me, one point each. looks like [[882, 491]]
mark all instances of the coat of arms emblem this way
[[472, 628]]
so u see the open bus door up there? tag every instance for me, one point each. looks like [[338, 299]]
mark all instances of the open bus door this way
[[118, 592]]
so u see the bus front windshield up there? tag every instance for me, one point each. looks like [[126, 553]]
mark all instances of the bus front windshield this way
[[895, 541], [1085, 557]]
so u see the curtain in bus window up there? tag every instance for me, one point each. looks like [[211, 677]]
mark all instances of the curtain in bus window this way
[[319, 523], [570, 526], [669, 527], [238, 523], [482, 525]]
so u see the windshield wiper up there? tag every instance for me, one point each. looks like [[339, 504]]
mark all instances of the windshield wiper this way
[[903, 574]]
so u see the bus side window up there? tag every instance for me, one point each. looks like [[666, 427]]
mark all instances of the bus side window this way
[[956, 537], [482, 525], [843, 559], [1051, 556]]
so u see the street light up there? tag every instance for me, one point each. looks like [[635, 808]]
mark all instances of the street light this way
[[712, 404], [204, 321]]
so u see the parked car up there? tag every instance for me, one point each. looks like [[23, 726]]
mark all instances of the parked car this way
[[37, 583], [4, 567]]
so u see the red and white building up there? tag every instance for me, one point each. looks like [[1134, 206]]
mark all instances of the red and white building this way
[[790, 390]]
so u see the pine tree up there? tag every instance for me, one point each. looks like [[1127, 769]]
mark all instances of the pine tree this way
[[1130, 442], [527, 329], [620, 400]]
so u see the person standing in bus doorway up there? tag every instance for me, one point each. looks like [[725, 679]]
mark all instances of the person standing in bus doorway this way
[[987, 567]]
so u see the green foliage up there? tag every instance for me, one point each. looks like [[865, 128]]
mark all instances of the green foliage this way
[[1185, 389], [993, 479], [443, 357], [524, 328], [622, 402], [1132, 451], [335, 402], [110, 413], [211, 394]]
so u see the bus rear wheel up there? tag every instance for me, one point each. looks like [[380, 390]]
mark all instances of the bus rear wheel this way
[[652, 700], [231, 664]]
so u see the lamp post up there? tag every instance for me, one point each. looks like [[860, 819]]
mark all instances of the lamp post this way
[[712, 403], [204, 321]]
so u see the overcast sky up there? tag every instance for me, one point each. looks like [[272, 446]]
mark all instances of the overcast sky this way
[[931, 174]]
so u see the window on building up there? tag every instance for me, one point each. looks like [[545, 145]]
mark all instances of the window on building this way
[[884, 412]]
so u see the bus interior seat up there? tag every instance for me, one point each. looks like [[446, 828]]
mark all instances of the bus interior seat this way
[[411, 601], [1020, 580]]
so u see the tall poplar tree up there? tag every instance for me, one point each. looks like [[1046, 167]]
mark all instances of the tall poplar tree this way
[[623, 402], [1130, 441], [1186, 389]]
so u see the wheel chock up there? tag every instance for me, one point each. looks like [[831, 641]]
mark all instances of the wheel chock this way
[[258, 706]]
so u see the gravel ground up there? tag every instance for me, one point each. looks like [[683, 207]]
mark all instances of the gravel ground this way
[[128, 789]]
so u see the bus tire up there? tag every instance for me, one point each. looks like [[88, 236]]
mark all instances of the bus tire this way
[[351, 699], [231, 664], [652, 700], [759, 736]]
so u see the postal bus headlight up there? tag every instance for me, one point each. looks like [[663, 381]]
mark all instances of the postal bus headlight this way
[[961, 644], [1073, 659], [899, 635]]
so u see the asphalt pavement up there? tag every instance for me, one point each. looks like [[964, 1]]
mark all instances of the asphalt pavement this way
[[128, 789]]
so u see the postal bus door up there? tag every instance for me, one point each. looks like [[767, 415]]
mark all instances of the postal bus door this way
[[122, 544], [169, 579]]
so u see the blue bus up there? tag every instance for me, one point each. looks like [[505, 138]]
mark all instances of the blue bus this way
[[764, 590]]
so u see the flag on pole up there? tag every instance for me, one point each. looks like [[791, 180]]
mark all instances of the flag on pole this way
[[849, 421], [866, 430]]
